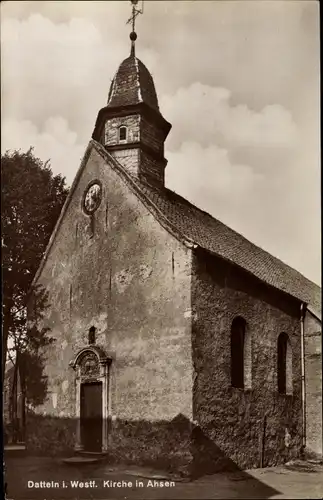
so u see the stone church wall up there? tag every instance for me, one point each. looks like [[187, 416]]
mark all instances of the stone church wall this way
[[244, 427], [129, 159], [111, 134], [313, 383], [127, 276]]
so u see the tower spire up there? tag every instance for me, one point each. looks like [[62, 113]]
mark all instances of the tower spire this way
[[132, 20]]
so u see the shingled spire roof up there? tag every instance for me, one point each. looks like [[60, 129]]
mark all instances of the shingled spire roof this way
[[132, 84]]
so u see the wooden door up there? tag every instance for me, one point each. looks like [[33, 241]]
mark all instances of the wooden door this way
[[91, 416]]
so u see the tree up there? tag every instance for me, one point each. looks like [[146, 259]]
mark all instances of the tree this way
[[32, 198]]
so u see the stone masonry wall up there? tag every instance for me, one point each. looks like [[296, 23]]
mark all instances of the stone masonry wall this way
[[134, 160], [112, 126], [313, 383], [232, 420], [124, 274], [129, 159]]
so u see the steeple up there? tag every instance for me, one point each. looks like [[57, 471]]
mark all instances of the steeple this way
[[131, 126]]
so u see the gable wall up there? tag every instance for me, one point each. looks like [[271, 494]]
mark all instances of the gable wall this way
[[131, 280], [232, 419]]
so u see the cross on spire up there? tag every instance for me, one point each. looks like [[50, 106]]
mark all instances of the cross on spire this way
[[132, 20]]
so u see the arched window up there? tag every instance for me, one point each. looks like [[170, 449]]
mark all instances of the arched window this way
[[123, 133], [92, 335], [284, 365], [240, 354]]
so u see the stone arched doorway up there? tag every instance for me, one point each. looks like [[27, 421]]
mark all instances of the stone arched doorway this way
[[91, 366]]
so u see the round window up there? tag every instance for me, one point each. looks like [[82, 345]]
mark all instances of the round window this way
[[92, 197]]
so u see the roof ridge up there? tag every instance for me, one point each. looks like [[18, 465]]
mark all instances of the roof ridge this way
[[138, 79]]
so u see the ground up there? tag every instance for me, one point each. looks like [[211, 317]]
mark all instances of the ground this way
[[297, 480]]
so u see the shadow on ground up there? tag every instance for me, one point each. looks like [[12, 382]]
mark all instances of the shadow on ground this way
[[144, 447]]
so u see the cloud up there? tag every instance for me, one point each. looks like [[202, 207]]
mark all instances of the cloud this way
[[193, 170], [55, 142], [39, 29], [205, 114], [61, 54]]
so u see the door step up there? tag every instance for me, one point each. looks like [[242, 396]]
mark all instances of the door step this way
[[85, 457], [91, 454]]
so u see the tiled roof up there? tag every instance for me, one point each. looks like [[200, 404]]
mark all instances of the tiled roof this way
[[132, 84], [212, 235]]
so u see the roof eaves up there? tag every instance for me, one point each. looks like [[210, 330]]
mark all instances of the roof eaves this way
[[314, 313], [250, 273]]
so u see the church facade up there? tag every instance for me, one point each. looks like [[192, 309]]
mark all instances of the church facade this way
[[178, 342]]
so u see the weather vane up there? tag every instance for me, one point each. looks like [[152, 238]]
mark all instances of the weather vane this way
[[132, 20]]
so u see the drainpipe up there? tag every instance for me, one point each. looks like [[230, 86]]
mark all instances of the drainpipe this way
[[303, 310]]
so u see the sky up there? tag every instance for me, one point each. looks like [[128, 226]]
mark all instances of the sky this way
[[238, 80]]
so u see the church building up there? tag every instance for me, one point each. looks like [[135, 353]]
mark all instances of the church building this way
[[178, 342]]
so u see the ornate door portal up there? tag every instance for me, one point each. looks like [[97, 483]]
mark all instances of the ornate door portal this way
[[92, 399]]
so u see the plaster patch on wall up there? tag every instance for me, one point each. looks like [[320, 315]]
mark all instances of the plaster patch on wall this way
[[145, 271], [54, 269], [101, 322], [287, 438], [190, 313], [123, 279], [54, 399], [114, 220], [64, 344], [65, 386]]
